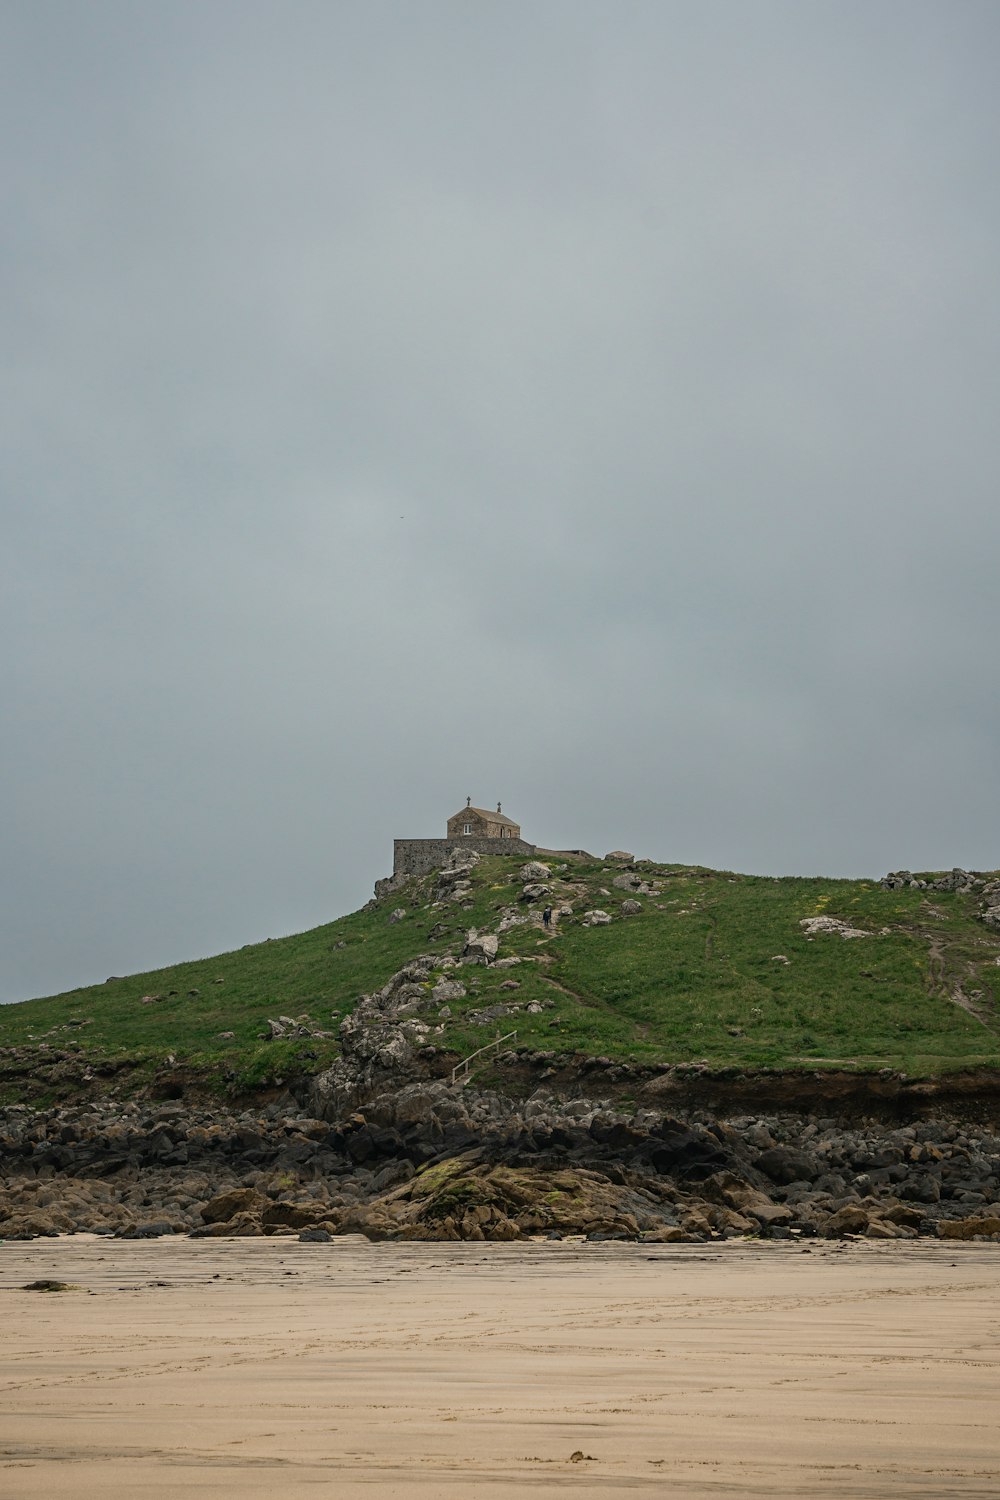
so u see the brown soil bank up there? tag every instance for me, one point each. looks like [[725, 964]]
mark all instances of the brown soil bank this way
[[66, 1077], [973, 1094]]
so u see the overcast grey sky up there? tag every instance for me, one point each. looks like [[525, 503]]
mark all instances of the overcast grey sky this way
[[589, 405]]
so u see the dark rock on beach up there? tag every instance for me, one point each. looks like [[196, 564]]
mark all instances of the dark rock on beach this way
[[430, 1160]]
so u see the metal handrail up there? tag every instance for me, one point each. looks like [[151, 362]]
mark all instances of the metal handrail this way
[[463, 1066]]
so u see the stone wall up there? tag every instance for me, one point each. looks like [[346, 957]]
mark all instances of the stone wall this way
[[417, 856]]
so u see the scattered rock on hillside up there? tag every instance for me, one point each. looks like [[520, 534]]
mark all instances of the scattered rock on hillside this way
[[630, 908], [596, 918], [991, 904], [490, 1013], [453, 883], [462, 859], [635, 883], [447, 990], [287, 1026], [956, 880], [832, 925], [480, 948], [534, 870]]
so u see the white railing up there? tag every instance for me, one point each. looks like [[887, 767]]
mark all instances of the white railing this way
[[461, 1070]]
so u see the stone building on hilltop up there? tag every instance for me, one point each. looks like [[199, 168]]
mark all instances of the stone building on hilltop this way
[[476, 822], [469, 828]]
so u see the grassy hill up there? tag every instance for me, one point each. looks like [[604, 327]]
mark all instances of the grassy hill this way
[[716, 967]]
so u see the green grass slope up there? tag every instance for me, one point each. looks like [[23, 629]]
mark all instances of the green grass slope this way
[[694, 976]]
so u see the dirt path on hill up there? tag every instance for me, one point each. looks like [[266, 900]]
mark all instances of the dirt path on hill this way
[[573, 994], [950, 988], [641, 1028]]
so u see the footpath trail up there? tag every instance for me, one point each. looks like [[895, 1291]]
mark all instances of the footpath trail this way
[[948, 986], [260, 1368], [589, 1002]]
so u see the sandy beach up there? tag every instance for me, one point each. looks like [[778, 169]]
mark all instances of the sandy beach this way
[[223, 1368]]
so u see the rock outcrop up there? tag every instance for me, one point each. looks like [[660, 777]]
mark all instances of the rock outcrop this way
[[480, 948], [429, 1160], [831, 926], [379, 1038]]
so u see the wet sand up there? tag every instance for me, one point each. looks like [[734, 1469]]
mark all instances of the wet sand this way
[[225, 1368]]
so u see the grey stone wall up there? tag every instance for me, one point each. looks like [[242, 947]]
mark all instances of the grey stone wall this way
[[417, 856]]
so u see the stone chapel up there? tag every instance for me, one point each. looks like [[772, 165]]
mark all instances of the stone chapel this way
[[477, 823]]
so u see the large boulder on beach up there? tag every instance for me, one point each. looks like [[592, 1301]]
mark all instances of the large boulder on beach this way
[[152, 1229], [224, 1206], [851, 1219], [240, 1226], [290, 1215], [967, 1229], [34, 1225], [467, 1199], [785, 1164]]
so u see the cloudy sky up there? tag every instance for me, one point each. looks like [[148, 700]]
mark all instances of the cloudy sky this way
[[589, 405]]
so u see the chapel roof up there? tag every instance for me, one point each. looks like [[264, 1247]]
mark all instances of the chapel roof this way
[[490, 816]]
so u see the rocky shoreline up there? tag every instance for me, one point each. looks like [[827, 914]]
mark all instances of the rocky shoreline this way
[[436, 1161]]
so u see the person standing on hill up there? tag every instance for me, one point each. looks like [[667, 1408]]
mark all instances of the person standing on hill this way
[[547, 917]]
